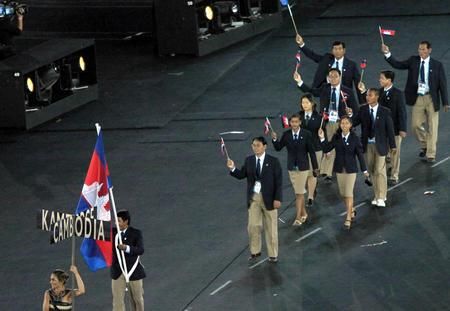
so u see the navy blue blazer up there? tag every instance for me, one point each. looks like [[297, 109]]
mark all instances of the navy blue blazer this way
[[324, 94], [384, 128], [350, 75], [437, 80], [346, 153], [394, 100], [313, 126], [297, 151], [133, 238], [271, 179]]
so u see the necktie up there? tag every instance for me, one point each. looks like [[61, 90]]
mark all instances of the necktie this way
[[122, 235], [333, 99], [372, 124], [295, 137], [336, 64], [306, 120], [345, 140], [422, 72], [258, 168]]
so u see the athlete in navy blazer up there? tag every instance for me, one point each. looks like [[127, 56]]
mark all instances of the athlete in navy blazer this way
[[349, 69], [271, 179]]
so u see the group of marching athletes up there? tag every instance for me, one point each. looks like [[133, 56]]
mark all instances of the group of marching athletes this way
[[320, 143]]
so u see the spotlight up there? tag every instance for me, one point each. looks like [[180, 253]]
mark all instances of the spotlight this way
[[209, 13], [46, 80], [82, 63], [30, 85]]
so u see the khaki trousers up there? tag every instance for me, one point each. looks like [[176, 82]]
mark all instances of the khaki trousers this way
[[326, 166], [423, 113], [258, 218], [136, 293], [395, 158], [376, 166]]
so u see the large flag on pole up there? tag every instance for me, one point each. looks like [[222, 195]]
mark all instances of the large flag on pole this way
[[95, 197]]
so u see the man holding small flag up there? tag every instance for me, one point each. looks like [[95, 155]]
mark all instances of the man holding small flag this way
[[264, 192], [426, 87]]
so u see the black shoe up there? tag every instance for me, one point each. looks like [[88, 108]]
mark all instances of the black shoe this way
[[328, 180], [310, 202], [252, 259], [423, 153], [273, 259]]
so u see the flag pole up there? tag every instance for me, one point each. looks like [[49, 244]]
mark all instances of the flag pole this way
[[381, 35], [72, 261], [292, 18], [116, 220]]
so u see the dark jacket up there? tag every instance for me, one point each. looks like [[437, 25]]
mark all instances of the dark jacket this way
[[271, 179], [324, 94], [437, 80], [346, 153], [313, 126], [350, 72], [298, 150], [133, 238], [394, 100], [384, 128]]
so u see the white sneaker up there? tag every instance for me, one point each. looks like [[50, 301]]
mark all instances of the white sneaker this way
[[380, 203], [374, 202]]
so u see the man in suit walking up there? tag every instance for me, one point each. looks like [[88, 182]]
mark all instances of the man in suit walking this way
[[425, 88], [264, 192], [335, 59], [299, 143], [377, 136], [132, 246], [392, 98], [334, 99]]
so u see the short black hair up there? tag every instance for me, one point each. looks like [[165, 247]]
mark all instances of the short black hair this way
[[125, 215], [335, 43], [295, 115], [375, 90], [261, 139], [388, 74], [427, 43], [334, 69]]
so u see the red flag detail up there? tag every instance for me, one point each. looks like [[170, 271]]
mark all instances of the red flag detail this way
[[284, 122], [363, 64], [387, 32]]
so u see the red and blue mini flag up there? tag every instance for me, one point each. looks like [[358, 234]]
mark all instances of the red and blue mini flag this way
[[95, 197], [284, 121], [387, 32], [298, 59], [223, 148], [267, 126]]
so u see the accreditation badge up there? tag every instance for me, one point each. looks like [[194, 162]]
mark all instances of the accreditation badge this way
[[257, 187], [333, 116], [422, 89]]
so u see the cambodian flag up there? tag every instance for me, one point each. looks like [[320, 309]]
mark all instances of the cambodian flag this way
[[284, 2], [95, 199]]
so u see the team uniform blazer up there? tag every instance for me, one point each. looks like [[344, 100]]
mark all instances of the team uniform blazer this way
[[346, 153], [384, 128], [298, 150], [324, 94], [133, 238], [437, 80], [271, 179], [313, 126], [350, 73], [396, 103]]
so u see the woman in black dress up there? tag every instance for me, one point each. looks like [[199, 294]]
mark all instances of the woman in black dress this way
[[58, 297]]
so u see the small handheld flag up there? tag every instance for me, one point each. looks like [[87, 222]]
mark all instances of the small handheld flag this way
[[284, 121], [387, 32], [363, 66], [344, 98], [324, 118], [223, 148], [267, 126], [286, 4], [298, 59]]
